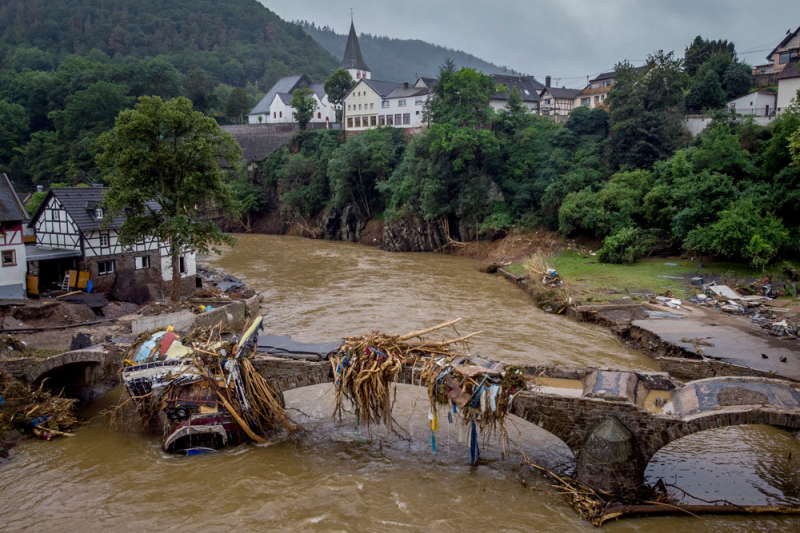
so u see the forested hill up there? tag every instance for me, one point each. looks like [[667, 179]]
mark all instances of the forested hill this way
[[400, 59], [68, 67], [235, 40]]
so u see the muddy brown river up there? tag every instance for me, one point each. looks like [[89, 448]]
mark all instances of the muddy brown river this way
[[337, 478]]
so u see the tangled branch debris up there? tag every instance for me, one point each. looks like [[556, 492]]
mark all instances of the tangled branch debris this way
[[204, 390], [44, 414]]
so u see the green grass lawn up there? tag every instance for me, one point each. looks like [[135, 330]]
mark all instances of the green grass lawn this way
[[588, 278]]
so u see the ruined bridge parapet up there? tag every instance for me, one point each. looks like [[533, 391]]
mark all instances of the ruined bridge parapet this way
[[613, 421]]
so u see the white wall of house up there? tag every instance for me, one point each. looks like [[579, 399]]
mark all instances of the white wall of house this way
[[497, 104], [13, 262], [190, 264], [407, 110], [760, 103], [787, 92], [362, 103], [55, 229], [279, 112], [360, 74]]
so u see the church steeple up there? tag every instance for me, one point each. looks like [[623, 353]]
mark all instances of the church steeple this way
[[353, 61]]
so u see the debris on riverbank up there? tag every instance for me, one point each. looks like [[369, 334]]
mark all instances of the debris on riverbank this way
[[27, 411]]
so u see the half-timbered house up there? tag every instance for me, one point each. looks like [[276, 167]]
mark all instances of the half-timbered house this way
[[12, 246], [72, 232]]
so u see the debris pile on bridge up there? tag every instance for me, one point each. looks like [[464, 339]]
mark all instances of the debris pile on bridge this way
[[476, 391], [204, 390], [36, 411]]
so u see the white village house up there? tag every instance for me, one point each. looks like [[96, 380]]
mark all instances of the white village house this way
[[761, 103], [276, 108], [12, 247], [71, 236], [788, 84]]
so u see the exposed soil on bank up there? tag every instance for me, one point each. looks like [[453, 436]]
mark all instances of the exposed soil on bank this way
[[513, 248]]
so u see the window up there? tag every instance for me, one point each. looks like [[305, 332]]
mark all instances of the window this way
[[389, 120], [417, 113], [358, 75], [104, 239], [358, 122], [547, 101], [419, 101], [9, 258], [407, 118], [281, 114], [607, 83], [182, 265], [359, 107], [319, 115], [106, 267], [373, 120], [401, 103], [785, 57], [385, 104], [348, 107], [398, 119], [597, 99], [372, 105], [99, 212], [141, 262], [349, 122], [382, 120], [595, 85], [585, 101], [274, 114]]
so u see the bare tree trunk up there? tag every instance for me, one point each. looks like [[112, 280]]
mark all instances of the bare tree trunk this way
[[176, 274]]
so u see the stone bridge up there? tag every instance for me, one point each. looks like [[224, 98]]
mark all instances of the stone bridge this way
[[613, 421]]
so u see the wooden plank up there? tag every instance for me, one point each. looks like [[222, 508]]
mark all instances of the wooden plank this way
[[83, 279], [73, 278]]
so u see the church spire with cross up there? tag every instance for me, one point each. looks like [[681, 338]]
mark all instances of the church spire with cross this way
[[353, 61]]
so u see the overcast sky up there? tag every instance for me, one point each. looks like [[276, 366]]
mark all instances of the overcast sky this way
[[567, 39]]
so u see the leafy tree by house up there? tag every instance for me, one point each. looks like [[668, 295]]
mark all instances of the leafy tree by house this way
[[168, 153], [462, 98], [514, 116], [737, 80], [644, 121], [706, 93], [237, 104], [701, 51], [304, 105], [337, 86]]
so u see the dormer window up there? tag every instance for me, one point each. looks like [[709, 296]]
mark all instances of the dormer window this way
[[99, 212]]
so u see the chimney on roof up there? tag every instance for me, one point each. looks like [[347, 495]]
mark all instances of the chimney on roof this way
[[405, 85], [547, 81]]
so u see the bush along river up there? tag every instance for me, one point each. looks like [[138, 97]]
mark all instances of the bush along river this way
[[337, 477]]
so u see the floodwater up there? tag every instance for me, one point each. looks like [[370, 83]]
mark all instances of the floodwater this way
[[338, 477]]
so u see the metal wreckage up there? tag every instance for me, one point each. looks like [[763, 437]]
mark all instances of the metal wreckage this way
[[203, 395]]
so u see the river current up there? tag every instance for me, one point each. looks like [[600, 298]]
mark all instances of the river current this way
[[337, 477]]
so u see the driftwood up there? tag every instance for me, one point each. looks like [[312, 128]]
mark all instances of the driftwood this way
[[623, 511], [429, 330]]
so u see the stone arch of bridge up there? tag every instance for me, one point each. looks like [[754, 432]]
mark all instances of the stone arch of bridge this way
[[745, 416], [51, 365]]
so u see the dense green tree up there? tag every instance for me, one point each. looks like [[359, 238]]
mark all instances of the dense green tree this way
[[462, 98], [737, 80], [701, 51], [644, 121], [237, 104], [706, 93], [166, 152], [304, 104], [14, 127], [199, 88], [337, 86]]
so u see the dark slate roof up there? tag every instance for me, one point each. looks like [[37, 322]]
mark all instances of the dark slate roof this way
[[319, 90], [80, 202], [789, 36], [560, 92], [610, 75], [528, 87], [258, 141], [283, 85], [429, 82], [352, 52], [11, 209], [286, 98], [791, 70], [410, 92]]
